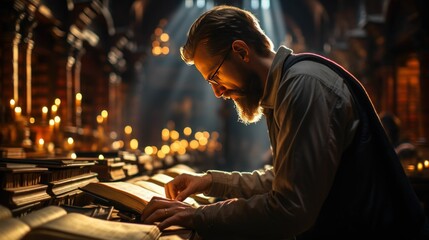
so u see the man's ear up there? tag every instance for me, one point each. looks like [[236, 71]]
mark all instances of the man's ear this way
[[240, 47]]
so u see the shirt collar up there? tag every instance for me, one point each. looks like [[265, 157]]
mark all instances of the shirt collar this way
[[274, 77]]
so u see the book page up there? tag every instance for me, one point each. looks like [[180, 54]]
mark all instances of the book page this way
[[134, 190], [5, 212], [160, 190], [78, 226], [13, 228], [124, 193], [44, 215]]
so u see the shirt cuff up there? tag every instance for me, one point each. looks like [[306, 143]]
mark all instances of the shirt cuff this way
[[220, 181]]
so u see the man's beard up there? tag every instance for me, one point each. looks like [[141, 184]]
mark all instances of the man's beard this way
[[247, 104]]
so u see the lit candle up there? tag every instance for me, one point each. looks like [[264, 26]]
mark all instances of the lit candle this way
[[40, 144], [57, 101], [12, 108], [54, 109], [51, 129], [419, 166], [57, 121], [70, 143], [100, 119], [12, 104], [44, 113], [104, 114], [78, 100], [18, 111]]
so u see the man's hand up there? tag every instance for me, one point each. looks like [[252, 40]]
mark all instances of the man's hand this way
[[184, 185], [167, 213]]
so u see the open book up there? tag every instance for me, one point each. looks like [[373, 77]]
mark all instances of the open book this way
[[122, 195], [53, 222]]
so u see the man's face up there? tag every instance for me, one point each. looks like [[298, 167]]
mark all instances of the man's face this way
[[235, 80]]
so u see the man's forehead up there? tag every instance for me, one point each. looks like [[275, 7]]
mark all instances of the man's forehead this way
[[202, 58]]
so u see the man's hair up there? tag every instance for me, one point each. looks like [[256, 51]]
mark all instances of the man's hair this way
[[219, 27]]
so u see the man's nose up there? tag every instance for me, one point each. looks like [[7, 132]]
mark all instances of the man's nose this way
[[218, 90]]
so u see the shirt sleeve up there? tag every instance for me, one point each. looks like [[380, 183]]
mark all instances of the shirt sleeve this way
[[313, 122], [240, 184]]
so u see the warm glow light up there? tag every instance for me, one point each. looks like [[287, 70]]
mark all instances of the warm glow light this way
[[148, 150], [419, 166], [181, 151], [51, 122], [202, 141], [187, 131], [101, 157], [57, 101], [134, 144], [165, 134], [12, 103], [411, 167], [118, 144], [128, 129], [158, 31], [155, 43], [156, 50], [78, 96], [174, 135], [175, 146], [70, 140], [198, 135], [206, 134], [194, 144], [54, 109], [426, 163], [165, 149], [99, 119], [44, 109], [165, 50], [160, 155], [104, 113], [41, 141], [184, 143], [73, 156], [18, 109], [32, 120], [164, 37], [57, 119], [155, 149]]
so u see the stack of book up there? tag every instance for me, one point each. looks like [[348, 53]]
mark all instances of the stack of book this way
[[21, 185], [130, 159], [12, 152], [109, 169], [114, 165], [60, 182], [66, 176]]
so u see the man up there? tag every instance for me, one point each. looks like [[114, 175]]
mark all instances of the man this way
[[330, 175]]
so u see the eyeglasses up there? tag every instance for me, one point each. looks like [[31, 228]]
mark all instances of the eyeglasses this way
[[210, 80]]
